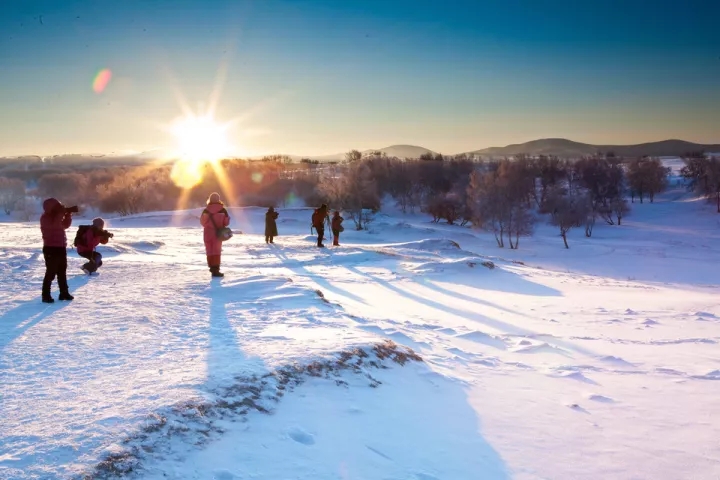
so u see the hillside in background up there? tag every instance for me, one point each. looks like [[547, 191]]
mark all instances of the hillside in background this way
[[560, 147], [567, 148], [400, 151]]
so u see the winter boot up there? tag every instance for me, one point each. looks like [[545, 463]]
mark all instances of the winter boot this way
[[47, 299], [216, 273], [66, 297]]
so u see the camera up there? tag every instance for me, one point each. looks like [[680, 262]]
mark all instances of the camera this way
[[73, 209]]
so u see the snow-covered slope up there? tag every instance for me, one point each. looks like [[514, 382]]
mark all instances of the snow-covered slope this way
[[596, 362]]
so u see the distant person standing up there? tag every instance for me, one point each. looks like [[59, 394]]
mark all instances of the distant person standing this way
[[319, 217], [271, 225], [56, 218], [87, 239], [214, 219], [337, 228]]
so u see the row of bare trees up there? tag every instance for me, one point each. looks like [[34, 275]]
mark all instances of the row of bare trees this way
[[506, 197]]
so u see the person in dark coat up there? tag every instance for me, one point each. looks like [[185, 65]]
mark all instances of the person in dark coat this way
[[336, 226], [271, 225], [94, 236], [319, 217], [213, 217], [56, 218]]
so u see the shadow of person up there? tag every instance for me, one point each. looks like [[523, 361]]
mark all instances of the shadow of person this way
[[505, 327], [226, 359], [416, 424], [15, 322], [298, 268]]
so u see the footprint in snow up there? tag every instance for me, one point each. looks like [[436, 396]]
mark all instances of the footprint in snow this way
[[301, 436], [601, 398], [223, 475], [425, 476]]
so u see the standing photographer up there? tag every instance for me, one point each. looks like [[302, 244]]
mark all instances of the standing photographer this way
[[53, 223], [88, 238]]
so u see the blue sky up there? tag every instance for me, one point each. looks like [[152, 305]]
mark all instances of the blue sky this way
[[317, 76]]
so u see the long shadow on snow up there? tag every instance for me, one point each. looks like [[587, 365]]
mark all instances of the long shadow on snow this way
[[226, 358], [472, 316], [299, 269], [406, 396], [18, 320]]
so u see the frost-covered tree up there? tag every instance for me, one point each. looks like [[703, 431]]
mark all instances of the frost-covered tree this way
[[353, 190], [499, 201], [12, 192]]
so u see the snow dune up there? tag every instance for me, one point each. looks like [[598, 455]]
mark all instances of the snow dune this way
[[595, 362]]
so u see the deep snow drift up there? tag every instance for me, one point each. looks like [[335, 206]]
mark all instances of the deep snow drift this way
[[596, 362]]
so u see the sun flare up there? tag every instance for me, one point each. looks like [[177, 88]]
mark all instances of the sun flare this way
[[200, 139]]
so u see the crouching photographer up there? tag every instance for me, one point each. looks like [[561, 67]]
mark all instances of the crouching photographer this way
[[86, 241], [56, 218]]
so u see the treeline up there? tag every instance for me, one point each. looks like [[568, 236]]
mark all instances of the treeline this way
[[506, 197], [127, 190]]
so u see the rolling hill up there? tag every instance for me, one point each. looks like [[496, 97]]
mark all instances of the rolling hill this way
[[567, 148]]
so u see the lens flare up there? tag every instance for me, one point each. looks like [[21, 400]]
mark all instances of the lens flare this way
[[101, 80], [187, 173], [256, 177]]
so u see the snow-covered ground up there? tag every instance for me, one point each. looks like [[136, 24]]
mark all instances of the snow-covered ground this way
[[598, 362]]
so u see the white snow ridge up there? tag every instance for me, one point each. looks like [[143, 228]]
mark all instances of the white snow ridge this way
[[416, 351]]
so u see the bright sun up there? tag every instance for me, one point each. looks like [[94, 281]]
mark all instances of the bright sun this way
[[200, 139]]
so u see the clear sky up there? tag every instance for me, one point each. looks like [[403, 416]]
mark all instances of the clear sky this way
[[324, 76]]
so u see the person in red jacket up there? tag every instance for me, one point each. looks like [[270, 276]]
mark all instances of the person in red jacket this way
[[56, 218], [336, 226], [94, 236], [214, 217]]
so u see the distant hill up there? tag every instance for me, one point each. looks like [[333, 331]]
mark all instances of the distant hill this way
[[567, 148], [404, 151], [400, 151]]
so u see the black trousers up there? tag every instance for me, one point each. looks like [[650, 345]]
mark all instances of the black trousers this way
[[321, 234], [55, 266], [95, 260]]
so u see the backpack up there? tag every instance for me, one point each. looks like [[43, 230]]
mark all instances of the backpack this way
[[81, 236], [317, 219], [222, 233]]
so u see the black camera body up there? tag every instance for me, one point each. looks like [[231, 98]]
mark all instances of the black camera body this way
[[73, 209]]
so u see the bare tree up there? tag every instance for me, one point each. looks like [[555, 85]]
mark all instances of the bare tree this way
[[70, 188], [521, 224], [499, 201], [647, 176], [354, 191], [353, 156], [703, 176], [487, 205], [620, 208], [567, 211], [12, 192]]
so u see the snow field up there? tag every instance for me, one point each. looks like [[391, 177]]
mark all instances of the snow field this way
[[595, 362]]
